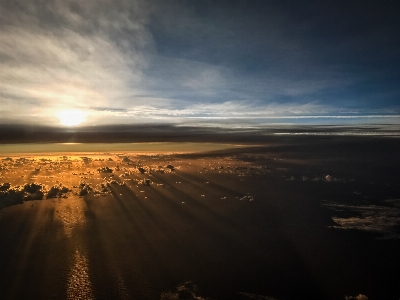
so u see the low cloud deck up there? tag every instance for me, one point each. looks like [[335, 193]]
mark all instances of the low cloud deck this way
[[311, 216]]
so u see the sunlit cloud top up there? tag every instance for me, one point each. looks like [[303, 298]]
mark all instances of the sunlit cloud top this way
[[174, 61]]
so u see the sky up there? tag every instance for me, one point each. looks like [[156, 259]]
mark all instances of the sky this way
[[199, 62]]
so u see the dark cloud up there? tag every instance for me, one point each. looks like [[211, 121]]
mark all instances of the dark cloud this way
[[201, 130], [111, 109], [381, 219], [317, 50]]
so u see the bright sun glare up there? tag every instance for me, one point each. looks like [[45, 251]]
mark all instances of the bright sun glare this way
[[71, 117]]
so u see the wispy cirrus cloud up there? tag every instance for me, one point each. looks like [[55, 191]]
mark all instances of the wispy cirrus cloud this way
[[149, 59], [167, 110], [70, 54]]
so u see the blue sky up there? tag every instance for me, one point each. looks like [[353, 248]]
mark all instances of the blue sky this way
[[128, 62]]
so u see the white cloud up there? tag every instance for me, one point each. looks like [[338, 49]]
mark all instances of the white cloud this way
[[83, 55], [73, 63], [175, 111], [248, 109]]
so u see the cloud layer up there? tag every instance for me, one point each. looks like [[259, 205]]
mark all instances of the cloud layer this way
[[140, 61]]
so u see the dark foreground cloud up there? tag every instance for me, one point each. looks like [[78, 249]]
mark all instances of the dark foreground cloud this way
[[381, 219], [358, 297], [235, 131]]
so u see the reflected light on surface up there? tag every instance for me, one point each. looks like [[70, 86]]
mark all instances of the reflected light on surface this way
[[79, 284], [71, 117]]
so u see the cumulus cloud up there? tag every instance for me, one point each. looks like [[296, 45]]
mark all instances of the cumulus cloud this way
[[188, 290], [11, 195], [372, 218], [358, 297], [250, 296]]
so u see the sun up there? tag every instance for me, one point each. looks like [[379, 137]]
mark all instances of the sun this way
[[71, 117]]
